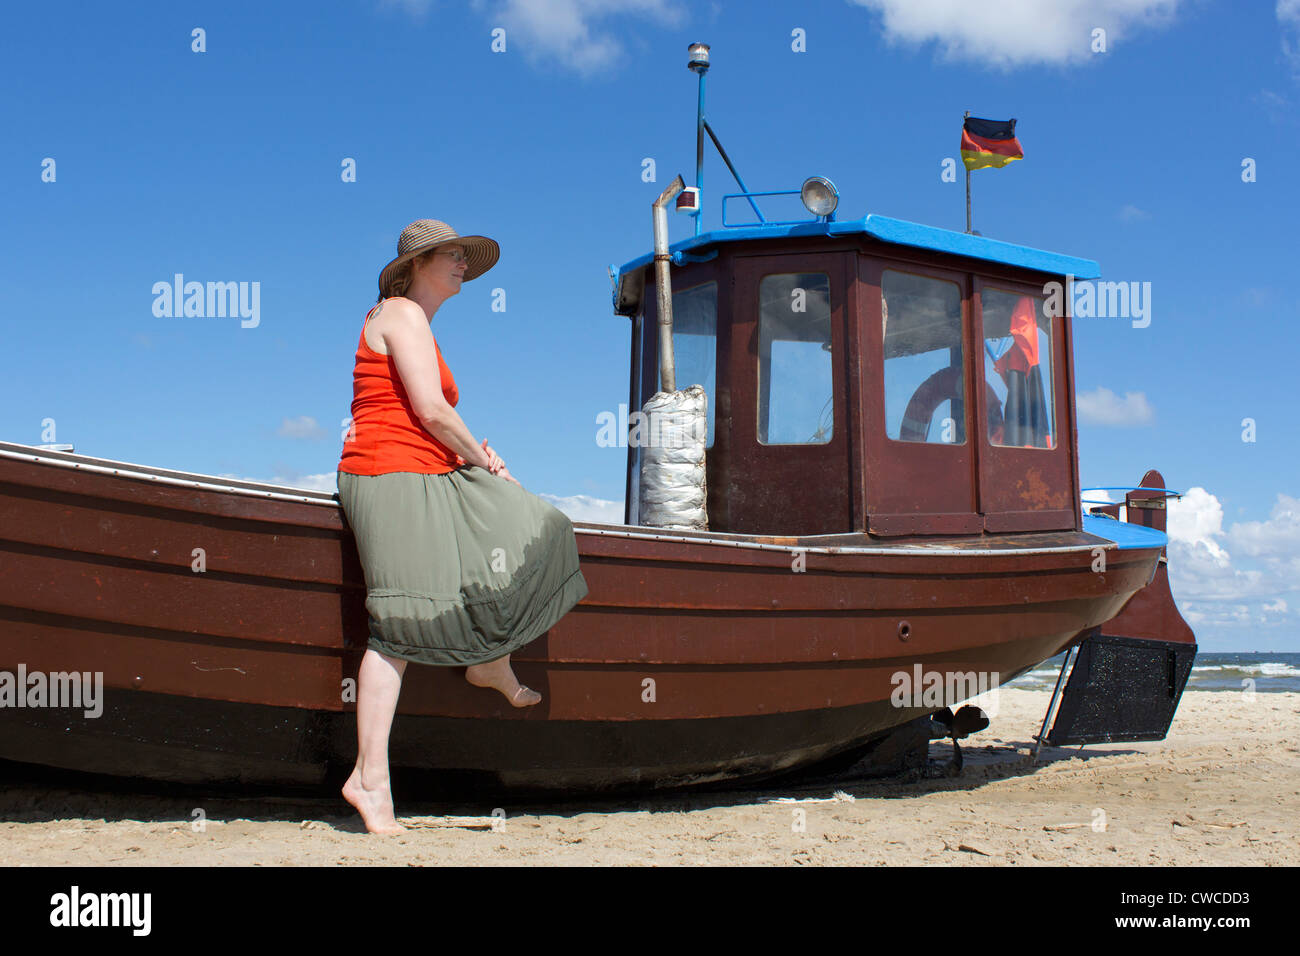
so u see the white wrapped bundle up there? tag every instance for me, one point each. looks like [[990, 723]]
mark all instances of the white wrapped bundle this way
[[673, 493]]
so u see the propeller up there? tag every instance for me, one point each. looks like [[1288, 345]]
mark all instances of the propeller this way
[[968, 720]]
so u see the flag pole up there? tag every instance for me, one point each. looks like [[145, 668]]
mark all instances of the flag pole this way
[[965, 116]]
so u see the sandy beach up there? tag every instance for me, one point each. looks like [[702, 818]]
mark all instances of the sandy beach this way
[[1222, 789]]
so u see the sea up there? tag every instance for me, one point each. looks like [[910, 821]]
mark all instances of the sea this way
[[1271, 671]]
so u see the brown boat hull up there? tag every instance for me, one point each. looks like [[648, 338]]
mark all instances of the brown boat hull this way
[[695, 657]]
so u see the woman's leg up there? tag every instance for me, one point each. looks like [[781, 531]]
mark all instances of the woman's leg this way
[[378, 685], [500, 675]]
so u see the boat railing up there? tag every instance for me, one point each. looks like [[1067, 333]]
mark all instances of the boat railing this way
[[1127, 489], [762, 220], [1097, 507]]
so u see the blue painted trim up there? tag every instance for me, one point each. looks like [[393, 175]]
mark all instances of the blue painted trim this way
[[977, 247], [681, 258], [738, 233], [899, 232], [1129, 537]]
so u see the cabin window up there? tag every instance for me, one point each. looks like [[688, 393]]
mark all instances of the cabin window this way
[[1018, 369], [925, 359], [695, 342], [795, 368]]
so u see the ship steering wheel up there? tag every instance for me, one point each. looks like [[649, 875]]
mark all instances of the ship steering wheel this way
[[943, 386]]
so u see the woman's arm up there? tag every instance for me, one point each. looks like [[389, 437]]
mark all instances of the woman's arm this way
[[409, 341]]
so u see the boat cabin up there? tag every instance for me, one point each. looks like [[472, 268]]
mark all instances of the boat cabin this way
[[871, 375]]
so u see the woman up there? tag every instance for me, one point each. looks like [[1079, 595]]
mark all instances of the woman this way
[[462, 565]]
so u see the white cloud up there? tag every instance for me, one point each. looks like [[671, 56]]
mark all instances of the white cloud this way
[[1131, 213], [1197, 518], [1288, 21], [576, 34], [1275, 106], [326, 482], [1277, 538], [1216, 615], [304, 426], [1204, 572], [1091, 499], [1270, 100], [1101, 406], [1012, 33], [587, 508], [1210, 588]]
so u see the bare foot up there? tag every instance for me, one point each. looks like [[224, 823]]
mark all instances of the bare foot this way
[[500, 676], [525, 697], [374, 805]]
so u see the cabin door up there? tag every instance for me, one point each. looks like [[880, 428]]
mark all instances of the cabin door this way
[[790, 427], [1028, 477], [920, 432]]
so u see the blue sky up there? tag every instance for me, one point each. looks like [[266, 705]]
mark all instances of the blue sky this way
[[224, 165]]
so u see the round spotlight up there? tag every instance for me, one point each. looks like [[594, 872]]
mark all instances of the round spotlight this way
[[819, 196], [699, 53]]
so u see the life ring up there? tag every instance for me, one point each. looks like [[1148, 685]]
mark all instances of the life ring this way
[[944, 386]]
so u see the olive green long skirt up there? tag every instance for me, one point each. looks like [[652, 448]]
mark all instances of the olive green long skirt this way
[[461, 568]]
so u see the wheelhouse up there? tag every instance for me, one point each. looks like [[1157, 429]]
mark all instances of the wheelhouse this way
[[871, 375]]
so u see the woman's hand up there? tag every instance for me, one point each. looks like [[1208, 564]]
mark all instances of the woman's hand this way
[[495, 464]]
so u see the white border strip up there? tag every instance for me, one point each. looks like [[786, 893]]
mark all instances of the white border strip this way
[[213, 482], [936, 550]]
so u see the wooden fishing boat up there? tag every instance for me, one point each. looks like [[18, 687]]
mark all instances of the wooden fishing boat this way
[[884, 500], [698, 656]]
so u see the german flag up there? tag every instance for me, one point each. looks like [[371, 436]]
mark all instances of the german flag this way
[[989, 143]]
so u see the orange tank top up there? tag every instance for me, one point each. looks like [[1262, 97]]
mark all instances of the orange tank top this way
[[385, 435]]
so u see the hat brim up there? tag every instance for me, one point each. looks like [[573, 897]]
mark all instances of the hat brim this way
[[481, 254]]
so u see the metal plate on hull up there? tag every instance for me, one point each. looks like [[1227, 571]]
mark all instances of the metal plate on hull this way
[[1122, 689]]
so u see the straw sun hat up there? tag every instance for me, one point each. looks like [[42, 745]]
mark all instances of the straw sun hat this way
[[481, 253]]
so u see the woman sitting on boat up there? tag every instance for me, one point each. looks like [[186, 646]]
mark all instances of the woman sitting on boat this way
[[462, 565]]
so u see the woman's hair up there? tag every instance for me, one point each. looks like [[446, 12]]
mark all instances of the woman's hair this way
[[401, 280]]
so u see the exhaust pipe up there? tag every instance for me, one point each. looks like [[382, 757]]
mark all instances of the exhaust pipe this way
[[664, 285], [673, 492]]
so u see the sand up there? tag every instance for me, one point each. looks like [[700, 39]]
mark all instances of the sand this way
[[1222, 789]]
